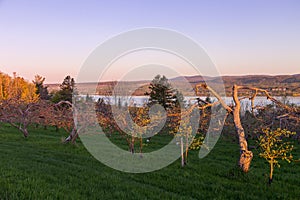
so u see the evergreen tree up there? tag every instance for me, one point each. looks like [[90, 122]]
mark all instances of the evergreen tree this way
[[119, 103], [161, 92], [88, 98], [67, 88], [41, 90]]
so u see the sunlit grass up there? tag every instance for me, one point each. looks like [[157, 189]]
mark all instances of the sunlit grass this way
[[41, 167]]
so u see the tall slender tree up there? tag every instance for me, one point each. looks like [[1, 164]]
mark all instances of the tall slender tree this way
[[41, 89]]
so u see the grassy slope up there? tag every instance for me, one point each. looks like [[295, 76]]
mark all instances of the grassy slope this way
[[41, 167]]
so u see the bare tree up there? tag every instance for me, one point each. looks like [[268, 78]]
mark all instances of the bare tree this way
[[19, 114], [245, 154]]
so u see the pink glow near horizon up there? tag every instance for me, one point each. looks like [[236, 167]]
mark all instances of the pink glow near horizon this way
[[53, 38]]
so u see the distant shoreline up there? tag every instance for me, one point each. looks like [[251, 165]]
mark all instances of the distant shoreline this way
[[277, 85]]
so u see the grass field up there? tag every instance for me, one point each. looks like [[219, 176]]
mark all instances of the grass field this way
[[41, 167]]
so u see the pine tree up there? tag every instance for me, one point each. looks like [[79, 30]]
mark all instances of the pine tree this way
[[161, 92], [67, 88], [41, 90]]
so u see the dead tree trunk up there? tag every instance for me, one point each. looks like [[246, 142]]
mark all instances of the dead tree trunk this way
[[245, 155]]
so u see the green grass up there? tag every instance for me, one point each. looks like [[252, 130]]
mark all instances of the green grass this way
[[41, 167]]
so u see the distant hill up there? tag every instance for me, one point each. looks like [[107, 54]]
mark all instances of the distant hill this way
[[277, 84]]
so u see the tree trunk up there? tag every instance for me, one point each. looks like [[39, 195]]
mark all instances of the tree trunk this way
[[186, 149], [25, 132], [245, 155], [131, 146], [72, 137], [181, 151], [271, 172], [141, 147]]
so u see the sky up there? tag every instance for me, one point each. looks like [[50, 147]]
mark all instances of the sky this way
[[54, 38]]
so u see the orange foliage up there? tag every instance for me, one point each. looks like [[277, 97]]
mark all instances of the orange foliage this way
[[17, 88]]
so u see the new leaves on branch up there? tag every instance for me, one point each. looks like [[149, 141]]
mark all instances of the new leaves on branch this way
[[274, 148]]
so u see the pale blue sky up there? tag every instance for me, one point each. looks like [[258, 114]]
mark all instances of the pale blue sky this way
[[53, 38]]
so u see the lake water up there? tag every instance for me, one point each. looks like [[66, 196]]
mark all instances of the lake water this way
[[141, 100]]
